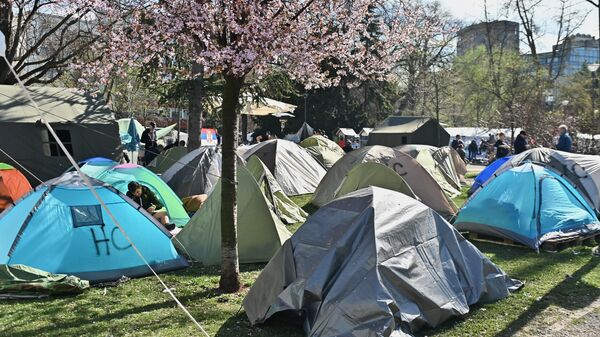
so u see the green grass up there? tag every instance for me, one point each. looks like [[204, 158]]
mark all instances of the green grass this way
[[569, 279]]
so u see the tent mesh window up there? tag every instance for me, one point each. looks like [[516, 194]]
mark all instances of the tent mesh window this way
[[86, 216], [51, 147]]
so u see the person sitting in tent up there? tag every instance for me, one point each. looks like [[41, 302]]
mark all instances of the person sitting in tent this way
[[144, 197]]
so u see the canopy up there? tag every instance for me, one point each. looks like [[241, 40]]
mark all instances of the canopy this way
[[13, 186], [374, 263], [260, 231], [81, 239], [266, 107], [296, 171], [120, 176], [528, 204], [421, 182]]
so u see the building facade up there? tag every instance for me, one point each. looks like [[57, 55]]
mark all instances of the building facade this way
[[572, 55], [502, 34]]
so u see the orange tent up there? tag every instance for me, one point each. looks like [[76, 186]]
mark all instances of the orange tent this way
[[13, 185]]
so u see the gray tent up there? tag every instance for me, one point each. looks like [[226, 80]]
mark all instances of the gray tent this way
[[375, 263], [583, 171], [83, 123], [399, 130], [195, 173], [296, 171]]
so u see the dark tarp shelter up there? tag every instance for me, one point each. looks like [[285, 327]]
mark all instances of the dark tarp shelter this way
[[84, 124], [400, 130], [375, 263]]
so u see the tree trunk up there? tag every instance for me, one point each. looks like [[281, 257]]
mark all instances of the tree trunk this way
[[196, 110], [230, 268]]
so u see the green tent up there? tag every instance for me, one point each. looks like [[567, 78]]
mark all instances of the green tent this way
[[373, 174], [284, 207], [18, 281], [325, 151], [164, 160], [120, 176], [260, 232], [433, 167]]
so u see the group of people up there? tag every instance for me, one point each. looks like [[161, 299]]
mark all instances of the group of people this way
[[500, 148]]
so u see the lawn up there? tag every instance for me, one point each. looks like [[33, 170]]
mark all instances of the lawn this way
[[555, 282]]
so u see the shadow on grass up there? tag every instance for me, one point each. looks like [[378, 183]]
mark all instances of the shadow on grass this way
[[281, 324], [570, 294], [90, 319]]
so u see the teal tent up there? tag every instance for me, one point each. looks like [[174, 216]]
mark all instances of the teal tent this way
[[121, 175], [61, 228], [528, 204]]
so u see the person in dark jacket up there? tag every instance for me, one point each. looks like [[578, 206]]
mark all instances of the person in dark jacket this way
[[457, 142], [502, 149], [521, 143], [565, 142], [473, 150], [150, 143], [144, 197]]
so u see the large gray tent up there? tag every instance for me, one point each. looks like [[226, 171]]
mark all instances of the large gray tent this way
[[399, 130], [195, 173], [84, 124], [583, 171], [375, 263], [296, 171]]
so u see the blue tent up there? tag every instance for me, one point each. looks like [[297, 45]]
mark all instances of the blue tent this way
[[487, 173], [527, 204], [61, 228]]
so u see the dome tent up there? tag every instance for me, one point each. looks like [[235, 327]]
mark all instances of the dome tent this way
[[487, 173], [373, 174], [583, 171], [163, 161], [195, 173], [421, 182], [260, 231], [13, 186], [296, 171], [121, 175], [325, 151], [352, 270], [93, 167], [81, 239], [441, 164], [282, 206], [528, 204]]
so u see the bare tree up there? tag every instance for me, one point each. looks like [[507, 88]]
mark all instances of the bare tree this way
[[43, 37]]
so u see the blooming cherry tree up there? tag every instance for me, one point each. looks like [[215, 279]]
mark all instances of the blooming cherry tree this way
[[314, 41]]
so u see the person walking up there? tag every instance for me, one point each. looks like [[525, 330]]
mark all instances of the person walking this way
[[473, 150], [565, 142], [150, 143], [521, 142]]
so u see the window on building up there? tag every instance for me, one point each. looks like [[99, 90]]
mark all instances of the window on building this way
[[50, 146]]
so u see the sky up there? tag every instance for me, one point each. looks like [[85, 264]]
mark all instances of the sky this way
[[470, 11]]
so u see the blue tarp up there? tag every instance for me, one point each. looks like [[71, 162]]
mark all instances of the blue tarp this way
[[527, 204], [61, 228]]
